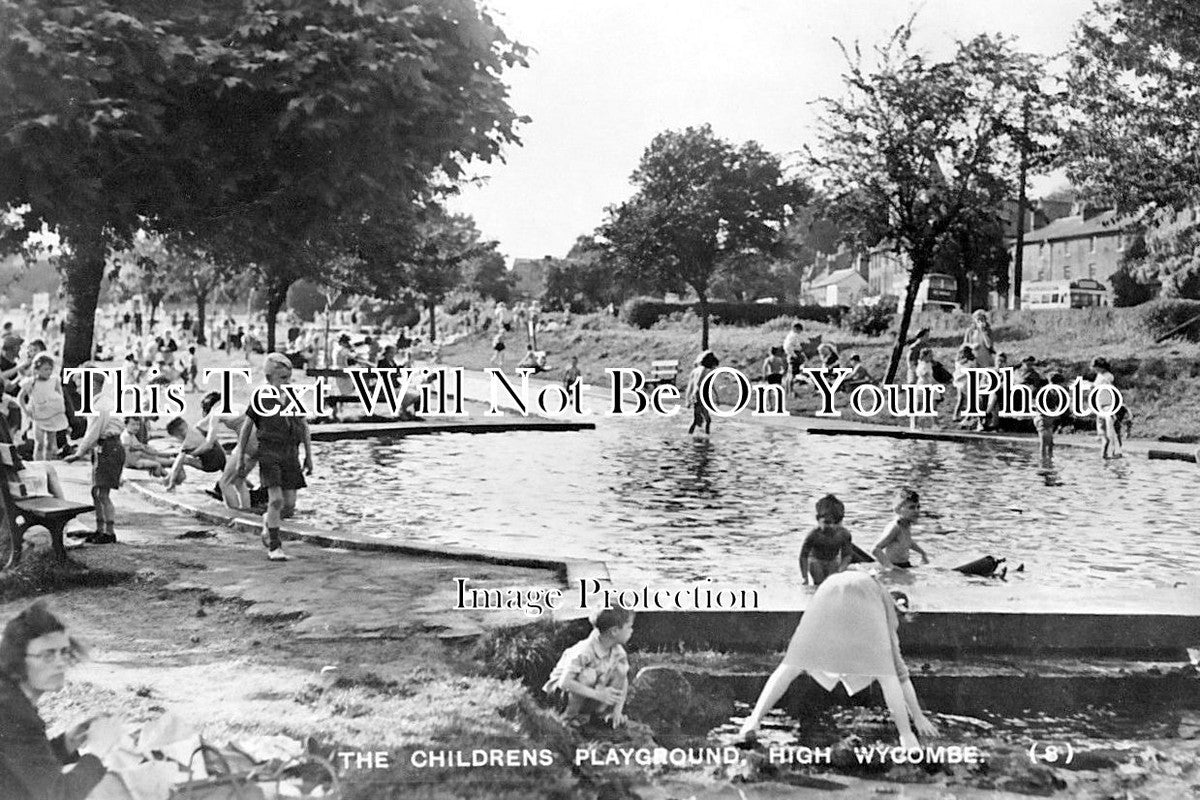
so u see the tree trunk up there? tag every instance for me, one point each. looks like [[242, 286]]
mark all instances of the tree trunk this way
[[155, 302], [703, 298], [432, 306], [920, 265], [83, 271], [201, 307], [276, 297]]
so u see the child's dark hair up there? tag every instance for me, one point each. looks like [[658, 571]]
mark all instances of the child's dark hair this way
[[42, 360], [709, 361], [905, 495], [1099, 362], [176, 426], [830, 506], [608, 618], [208, 401]]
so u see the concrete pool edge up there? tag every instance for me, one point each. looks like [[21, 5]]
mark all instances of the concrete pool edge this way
[[567, 570]]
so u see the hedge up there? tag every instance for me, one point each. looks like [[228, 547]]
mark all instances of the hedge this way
[[1161, 316], [643, 312]]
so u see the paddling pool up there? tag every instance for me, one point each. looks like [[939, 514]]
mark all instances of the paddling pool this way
[[658, 505]]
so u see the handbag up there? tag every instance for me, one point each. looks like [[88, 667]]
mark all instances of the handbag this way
[[223, 783]]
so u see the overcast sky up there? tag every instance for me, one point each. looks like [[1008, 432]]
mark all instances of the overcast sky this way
[[608, 75]]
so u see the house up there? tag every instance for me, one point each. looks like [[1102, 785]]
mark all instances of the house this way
[[842, 287], [1089, 243], [530, 276]]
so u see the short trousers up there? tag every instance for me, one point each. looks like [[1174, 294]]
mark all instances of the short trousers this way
[[108, 462], [796, 362], [776, 379], [212, 460], [498, 347], [280, 466], [902, 564]]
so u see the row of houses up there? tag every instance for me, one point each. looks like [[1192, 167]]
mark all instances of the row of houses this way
[[1070, 253]]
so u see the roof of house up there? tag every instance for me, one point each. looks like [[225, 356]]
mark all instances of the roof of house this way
[[836, 277], [1104, 223]]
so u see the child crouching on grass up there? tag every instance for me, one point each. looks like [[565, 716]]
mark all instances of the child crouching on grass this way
[[594, 673]]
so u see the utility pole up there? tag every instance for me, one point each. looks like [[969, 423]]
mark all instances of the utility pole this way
[[1019, 252]]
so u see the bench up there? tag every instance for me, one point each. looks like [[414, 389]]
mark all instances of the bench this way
[[663, 372], [22, 512], [333, 400]]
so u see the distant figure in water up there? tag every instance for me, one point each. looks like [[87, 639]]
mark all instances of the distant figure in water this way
[[706, 362]]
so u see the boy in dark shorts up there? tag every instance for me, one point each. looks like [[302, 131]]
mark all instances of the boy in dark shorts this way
[[103, 440], [279, 469]]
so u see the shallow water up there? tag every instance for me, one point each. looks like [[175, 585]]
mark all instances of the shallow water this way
[[658, 505]]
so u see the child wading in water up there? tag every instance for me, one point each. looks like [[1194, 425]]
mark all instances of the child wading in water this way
[[774, 370], [594, 673], [42, 398], [1106, 423], [892, 549], [103, 435], [827, 549], [706, 362], [278, 465]]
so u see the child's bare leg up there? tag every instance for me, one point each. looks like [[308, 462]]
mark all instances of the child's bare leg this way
[[289, 504], [774, 688], [175, 474], [893, 695]]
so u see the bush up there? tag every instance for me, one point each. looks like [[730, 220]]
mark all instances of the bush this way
[[1161, 316], [873, 320], [643, 312], [1127, 290]]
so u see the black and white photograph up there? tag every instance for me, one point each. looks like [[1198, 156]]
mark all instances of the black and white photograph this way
[[536, 399]]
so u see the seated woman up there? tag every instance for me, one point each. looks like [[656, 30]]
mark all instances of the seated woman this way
[[35, 652], [859, 375], [848, 635]]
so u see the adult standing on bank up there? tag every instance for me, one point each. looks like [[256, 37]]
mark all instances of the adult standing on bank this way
[[979, 338], [848, 635]]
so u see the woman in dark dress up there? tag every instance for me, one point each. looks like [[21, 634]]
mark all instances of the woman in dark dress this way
[[35, 652]]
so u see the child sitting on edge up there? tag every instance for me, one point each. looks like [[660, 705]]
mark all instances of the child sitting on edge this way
[[827, 549], [138, 454], [892, 549], [859, 374], [594, 673], [199, 448]]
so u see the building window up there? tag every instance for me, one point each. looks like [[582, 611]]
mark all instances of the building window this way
[[1092, 245], [1092, 271], [1121, 243], [1041, 274], [1066, 272]]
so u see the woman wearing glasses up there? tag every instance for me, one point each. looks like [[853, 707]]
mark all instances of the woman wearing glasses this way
[[35, 652]]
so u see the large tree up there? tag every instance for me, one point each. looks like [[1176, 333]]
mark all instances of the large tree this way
[[699, 200], [1135, 87], [248, 123], [916, 147]]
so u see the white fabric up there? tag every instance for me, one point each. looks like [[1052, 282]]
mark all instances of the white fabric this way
[[848, 634]]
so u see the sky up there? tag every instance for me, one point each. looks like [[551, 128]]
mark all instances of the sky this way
[[608, 75]]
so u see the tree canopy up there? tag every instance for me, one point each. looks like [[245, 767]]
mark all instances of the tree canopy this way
[[252, 124], [915, 147], [1135, 87], [699, 199]]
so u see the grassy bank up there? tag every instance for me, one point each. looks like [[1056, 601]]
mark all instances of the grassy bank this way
[[1157, 380]]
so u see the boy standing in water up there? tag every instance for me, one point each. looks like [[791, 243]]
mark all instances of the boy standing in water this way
[[892, 549], [827, 549], [279, 467]]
